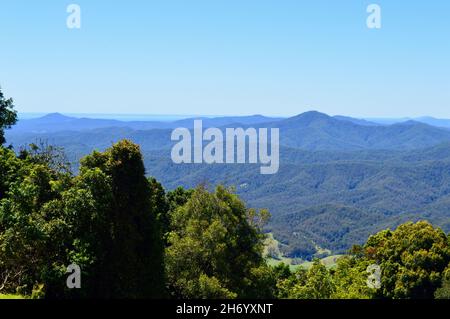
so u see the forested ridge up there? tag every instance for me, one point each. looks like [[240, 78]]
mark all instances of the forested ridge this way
[[133, 239]]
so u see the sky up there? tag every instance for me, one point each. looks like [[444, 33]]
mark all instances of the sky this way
[[227, 57]]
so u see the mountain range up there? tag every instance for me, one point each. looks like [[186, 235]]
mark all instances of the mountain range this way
[[340, 178]]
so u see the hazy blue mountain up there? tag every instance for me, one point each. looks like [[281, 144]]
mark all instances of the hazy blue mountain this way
[[356, 121], [434, 121], [443, 123], [227, 121], [307, 131], [317, 131], [388, 121], [56, 122]]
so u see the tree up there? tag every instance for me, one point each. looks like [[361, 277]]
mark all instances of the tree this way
[[11, 169], [215, 247], [316, 283], [52, 156], [350, 278], [412, 259], [104, 220], [444, 291], [178, 197], [8, 116], [126, 242], [160, 204], [32, 236]]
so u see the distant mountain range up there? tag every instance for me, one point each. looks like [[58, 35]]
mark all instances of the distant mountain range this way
[[39, 123], [340, 178], [309, 131], [56, 122]]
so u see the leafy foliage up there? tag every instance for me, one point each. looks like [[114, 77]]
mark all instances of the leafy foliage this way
[[444, 291], [412, 258], [8, 116], [104, 220], [215, 247]]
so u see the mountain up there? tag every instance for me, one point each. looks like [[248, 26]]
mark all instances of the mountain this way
[[443, 123], [56, 122], [339, 179], [317, 131], [312, 131], [433, 121], [356, 121], [226, 121]]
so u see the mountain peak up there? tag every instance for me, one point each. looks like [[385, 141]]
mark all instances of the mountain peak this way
[[309, 117], [314, 114], [55, 117]]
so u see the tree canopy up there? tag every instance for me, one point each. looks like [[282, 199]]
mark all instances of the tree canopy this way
[[214, 246], [104, 220]]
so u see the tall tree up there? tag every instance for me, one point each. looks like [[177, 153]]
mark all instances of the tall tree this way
[[129, 248]]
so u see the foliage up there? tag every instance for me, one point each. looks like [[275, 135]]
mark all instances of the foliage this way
[[8, 116], [104, 220], [444, 291], [316, 283], [28, 231], [215, 251], [43, 153], [350, 278], [10, 170], [112, 199], [412, 258]]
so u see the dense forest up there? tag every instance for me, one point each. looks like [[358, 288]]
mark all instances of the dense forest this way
[[133, 239]]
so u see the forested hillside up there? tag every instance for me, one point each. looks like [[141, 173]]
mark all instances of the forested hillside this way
[[340, 179]]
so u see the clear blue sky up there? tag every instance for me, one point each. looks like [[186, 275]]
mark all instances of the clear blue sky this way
[[278, 57]]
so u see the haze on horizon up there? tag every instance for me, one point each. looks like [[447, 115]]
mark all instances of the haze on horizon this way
[[175, 117], [222, 58]]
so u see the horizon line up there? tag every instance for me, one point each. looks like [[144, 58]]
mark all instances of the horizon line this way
[[35, 115]]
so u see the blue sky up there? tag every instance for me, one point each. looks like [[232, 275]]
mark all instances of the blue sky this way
[[224, 57]]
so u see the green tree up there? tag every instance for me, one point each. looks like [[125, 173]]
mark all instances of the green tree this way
[[412, 259], [317, 284], [350, 278], [444, 291], [11, 169], [104, 220], [215, 247], [178, 197], [160, 204], [126, 243], [286, 286], [8, 116], [30, 234]]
